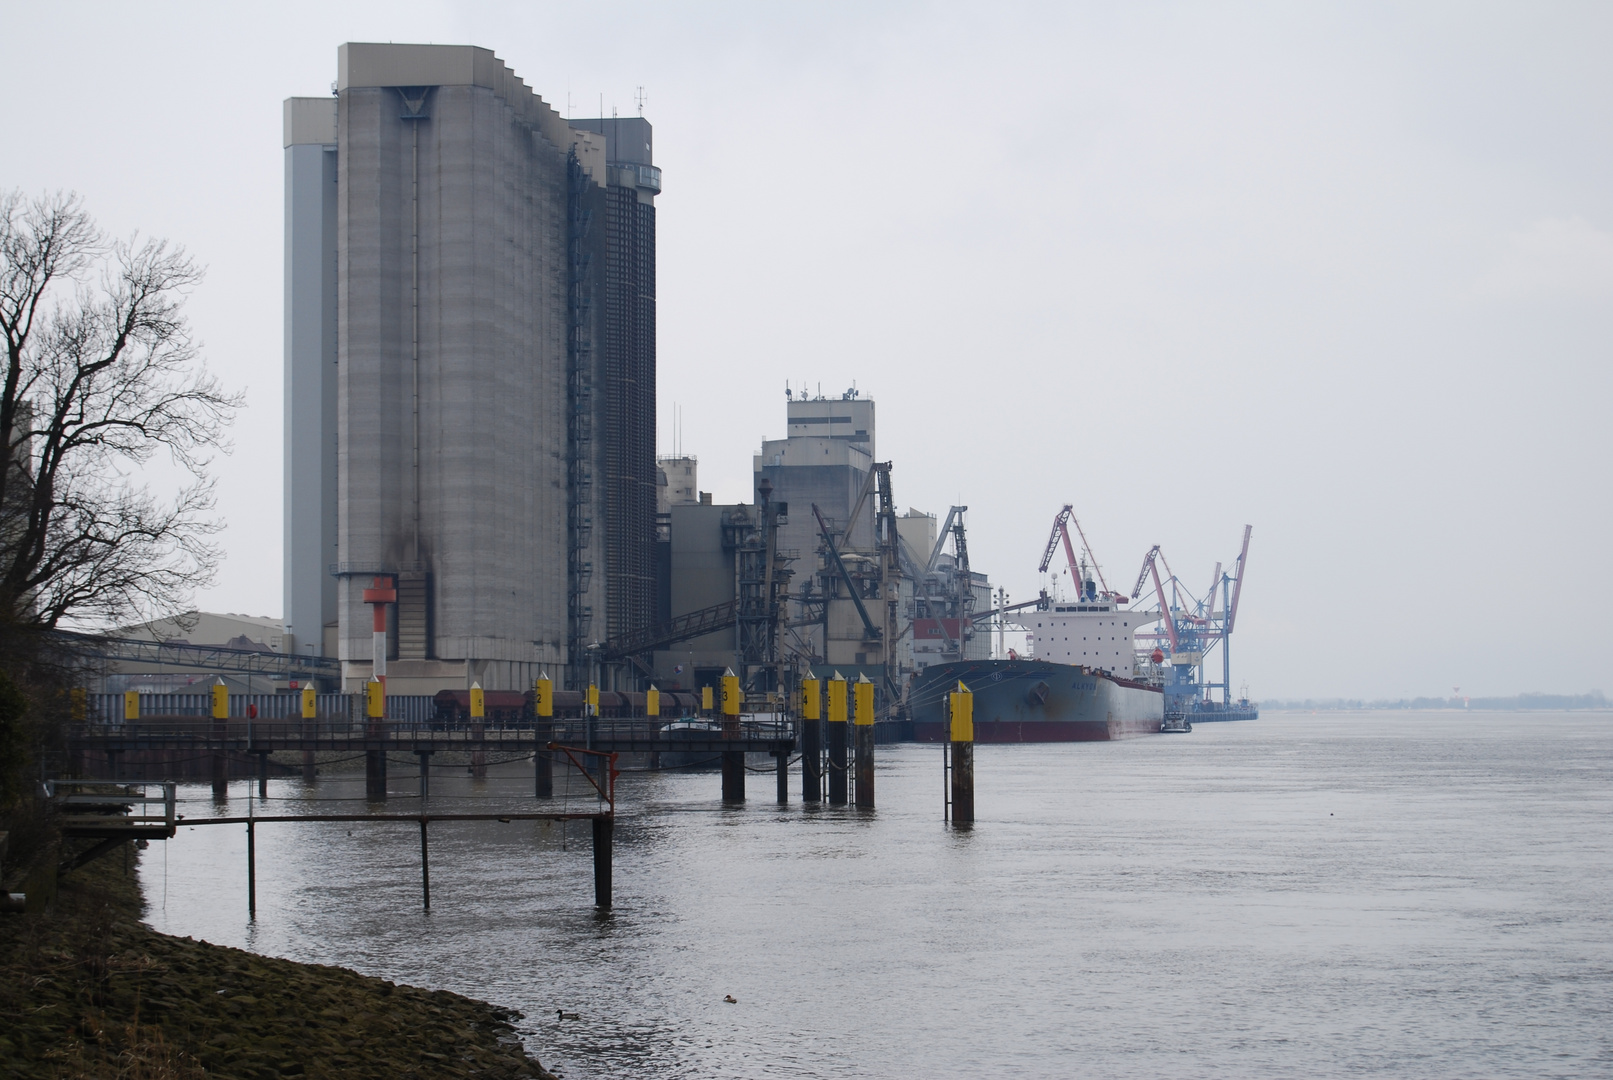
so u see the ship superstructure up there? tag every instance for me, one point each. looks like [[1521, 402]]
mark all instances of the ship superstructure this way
[[1102, 636]]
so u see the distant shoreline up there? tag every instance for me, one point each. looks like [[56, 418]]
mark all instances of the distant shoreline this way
[[1591, 701]]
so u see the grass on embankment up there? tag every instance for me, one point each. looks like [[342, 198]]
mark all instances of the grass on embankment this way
[[86, 991]]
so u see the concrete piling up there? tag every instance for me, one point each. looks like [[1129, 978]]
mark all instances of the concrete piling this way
[[733, 776], [811, 741], [310, 727], [478, 728], [220, 756], [425, 867], [961, 706], [221, 773], [131, 716], [604, 828], [251, 871], [543, 734], [543, 765], [733, 761], [863, 723], [375, 760], [837, 740], [375, 775]]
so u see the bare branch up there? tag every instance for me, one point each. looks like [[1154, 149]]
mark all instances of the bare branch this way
[[102, 373]]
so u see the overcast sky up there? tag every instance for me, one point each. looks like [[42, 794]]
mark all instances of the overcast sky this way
[[1342, 272]]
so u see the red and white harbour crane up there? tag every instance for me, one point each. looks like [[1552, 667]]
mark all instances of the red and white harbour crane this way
[[1061, 531]]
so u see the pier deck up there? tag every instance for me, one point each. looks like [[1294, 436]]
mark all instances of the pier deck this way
[[270, 736]]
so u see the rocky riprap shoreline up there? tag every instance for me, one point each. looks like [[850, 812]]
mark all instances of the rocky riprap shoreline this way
[[87, 991]]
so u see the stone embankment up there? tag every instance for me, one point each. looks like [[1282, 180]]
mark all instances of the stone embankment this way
[[86, 991]]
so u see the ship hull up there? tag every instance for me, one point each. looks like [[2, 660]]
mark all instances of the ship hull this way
[[1022, 701]]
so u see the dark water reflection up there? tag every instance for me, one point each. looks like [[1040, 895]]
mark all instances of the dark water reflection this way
[[1401, 893]]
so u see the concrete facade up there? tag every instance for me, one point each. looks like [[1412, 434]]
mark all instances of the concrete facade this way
[[824, 460], [310, 374], [703, 574], [678, 483], [450, 327], [616, 365]]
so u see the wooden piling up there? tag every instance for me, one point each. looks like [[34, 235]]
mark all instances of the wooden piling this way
[[263, 774], [783, 766], [425, 773], [604, 828]]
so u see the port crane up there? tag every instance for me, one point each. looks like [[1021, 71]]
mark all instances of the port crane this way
[[1193, 633], [943, 595], [878, 578], [1061, 531], [1150, 566]]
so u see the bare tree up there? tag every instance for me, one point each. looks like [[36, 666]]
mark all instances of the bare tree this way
[[101, 374]]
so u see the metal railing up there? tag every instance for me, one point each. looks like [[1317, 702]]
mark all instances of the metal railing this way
[[98, 808], [260, 732], [408, 708]]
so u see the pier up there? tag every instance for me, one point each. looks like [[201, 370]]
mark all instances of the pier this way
[[147, 731], [112, 814]]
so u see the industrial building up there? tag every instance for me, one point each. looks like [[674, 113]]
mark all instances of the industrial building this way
[[825, 461], [857, 587], [470, 372], [186, 653], [677, 483], [946, 592]]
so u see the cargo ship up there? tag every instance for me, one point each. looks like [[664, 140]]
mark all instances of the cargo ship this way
[[1078, 688], [1086, 679], [1036, 701]]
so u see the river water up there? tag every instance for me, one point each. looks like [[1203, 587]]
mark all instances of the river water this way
[[1396, 893]]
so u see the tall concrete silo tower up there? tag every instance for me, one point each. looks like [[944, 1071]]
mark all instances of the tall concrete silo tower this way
[[466, 448]]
